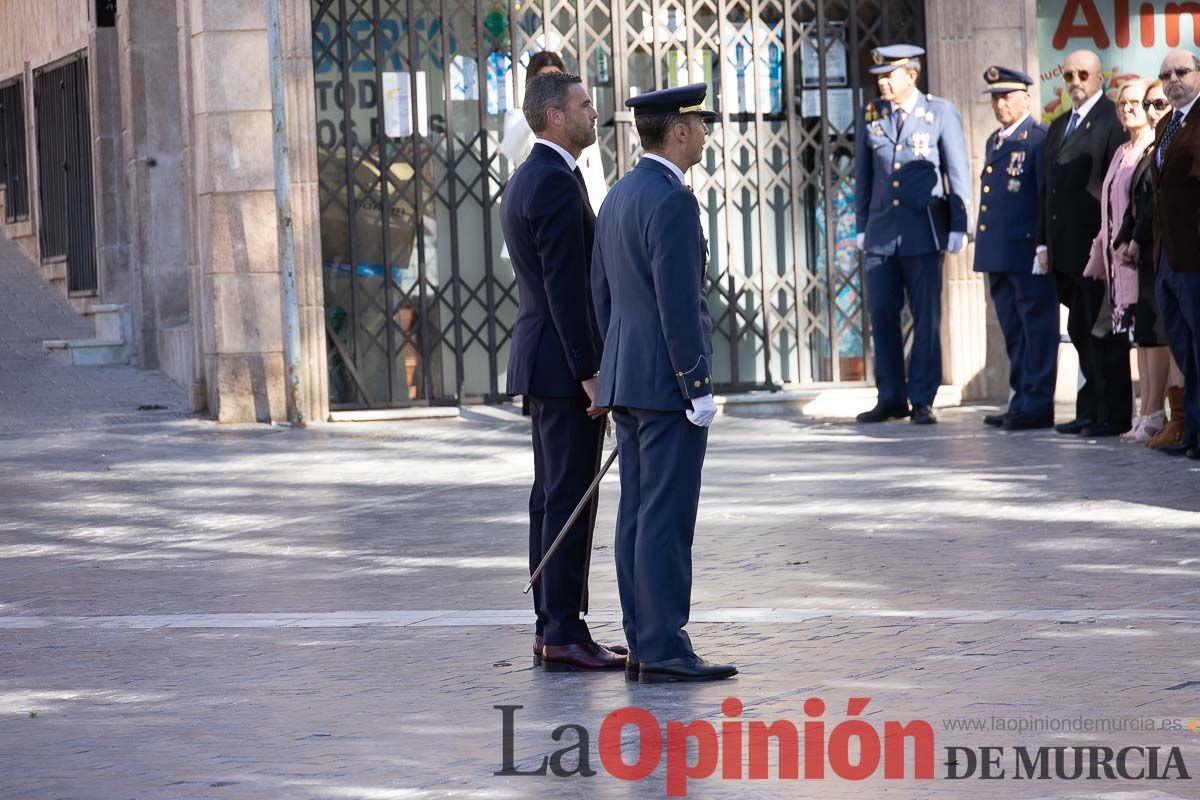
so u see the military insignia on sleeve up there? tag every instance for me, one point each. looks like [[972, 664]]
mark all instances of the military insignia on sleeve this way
[[1016, 164], [921, 146], [1014, 185]]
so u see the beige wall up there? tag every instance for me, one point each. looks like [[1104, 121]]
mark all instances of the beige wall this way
[[41, 31]]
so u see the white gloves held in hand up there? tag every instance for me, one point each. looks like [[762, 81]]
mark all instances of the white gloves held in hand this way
[[957, 242], [704, 409]]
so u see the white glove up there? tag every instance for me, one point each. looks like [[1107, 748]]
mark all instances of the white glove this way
[[1038, 267], [957, 242], [704, 409], [860, 241]]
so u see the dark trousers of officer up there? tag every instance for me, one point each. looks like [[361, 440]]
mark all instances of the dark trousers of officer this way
[[889, 278], [661, 456], [566, 452], [1107, 394], [1179, 301], [1027, 308]]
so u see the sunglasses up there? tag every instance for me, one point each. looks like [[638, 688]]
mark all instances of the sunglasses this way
[[1159, 105], [1083, 74], [1178, 72]]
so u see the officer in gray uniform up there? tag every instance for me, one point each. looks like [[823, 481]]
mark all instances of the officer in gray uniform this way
[[1005, 243], [912, 190]]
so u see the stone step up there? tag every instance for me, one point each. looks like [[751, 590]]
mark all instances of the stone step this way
[[111, 345]]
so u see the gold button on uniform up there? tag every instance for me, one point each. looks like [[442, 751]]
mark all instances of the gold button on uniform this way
[[696, 384], [989, 170], [895, 184], [895, 202], [983, 208], [983, 227], [899, 147], [987, 189], [896, 165]]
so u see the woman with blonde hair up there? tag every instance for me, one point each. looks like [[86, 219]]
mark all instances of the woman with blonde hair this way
[[1120, 274], [1133, 247]]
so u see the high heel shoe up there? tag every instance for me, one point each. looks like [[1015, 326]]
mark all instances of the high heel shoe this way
[[1148, 427]]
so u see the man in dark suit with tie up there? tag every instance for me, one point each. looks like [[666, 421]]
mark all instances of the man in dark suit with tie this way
[[1079, 148], [1176, 179], [648, 268], [1025, 303], [555, 352]]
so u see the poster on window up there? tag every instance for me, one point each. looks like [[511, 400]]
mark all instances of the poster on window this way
[[1130, 36]]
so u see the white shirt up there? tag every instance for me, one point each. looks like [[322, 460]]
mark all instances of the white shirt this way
[[1188, 108], [570, 159], [1087, 106], [675, 170], [909, 105]]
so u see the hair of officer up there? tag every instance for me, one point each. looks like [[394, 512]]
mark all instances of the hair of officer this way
[[544, 92], [653, 129], [539, 61]]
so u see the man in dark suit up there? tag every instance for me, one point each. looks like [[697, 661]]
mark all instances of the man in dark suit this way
[[648, 287], [1176, 232], [555, 352], [1079, 149], [1025, 303]]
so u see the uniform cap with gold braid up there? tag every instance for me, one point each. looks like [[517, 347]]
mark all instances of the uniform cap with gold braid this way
[[676, 100], [895, 56], [1002, 80]]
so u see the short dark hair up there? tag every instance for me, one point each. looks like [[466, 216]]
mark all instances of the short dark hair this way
[[544, 92], [539, 61], [653, 128]]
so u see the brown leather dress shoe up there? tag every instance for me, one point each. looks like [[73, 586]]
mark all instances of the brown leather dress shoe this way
[[580, 657]]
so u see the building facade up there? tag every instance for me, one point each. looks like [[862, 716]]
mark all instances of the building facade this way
[[139, 170]]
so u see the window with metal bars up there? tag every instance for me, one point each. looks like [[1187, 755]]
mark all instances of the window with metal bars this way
[[13, 169]]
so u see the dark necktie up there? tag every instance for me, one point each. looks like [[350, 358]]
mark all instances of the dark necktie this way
[[1172, 128], [901, 116], [1000, 137], [1071, 124]]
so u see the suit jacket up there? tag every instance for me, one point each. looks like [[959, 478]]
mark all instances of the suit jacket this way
[[648, 287], [549, 228], [1177, 195], [1069, 206], [1008, 208], [899, 173], [1138, 223]]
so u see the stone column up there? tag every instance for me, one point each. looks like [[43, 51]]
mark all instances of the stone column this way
[[227, 102], [964, 37], [234, 229]]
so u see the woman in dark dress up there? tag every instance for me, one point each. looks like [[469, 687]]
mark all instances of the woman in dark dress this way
[[1134, 243]]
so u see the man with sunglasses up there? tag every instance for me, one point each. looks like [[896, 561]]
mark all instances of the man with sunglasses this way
[[1176, 179], [1079, 148]]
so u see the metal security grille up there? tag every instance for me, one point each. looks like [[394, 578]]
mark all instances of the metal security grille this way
[[64, 158], [411, 97], [13, 169]]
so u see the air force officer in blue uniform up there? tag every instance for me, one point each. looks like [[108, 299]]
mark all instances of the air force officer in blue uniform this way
[[648, 268], [1005, 245], [549, 228], [908, 147]]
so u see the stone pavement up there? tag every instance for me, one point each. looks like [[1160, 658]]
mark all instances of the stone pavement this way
[[40, 391], [199, 611]]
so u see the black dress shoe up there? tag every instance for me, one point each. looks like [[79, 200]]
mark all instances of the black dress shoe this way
[[1193, 453], [1074, 426], [996, 419], [882, 413], [689, 669], [631, 669], [922, 414], [1027, 422], [537, 650], [1104, 429]]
